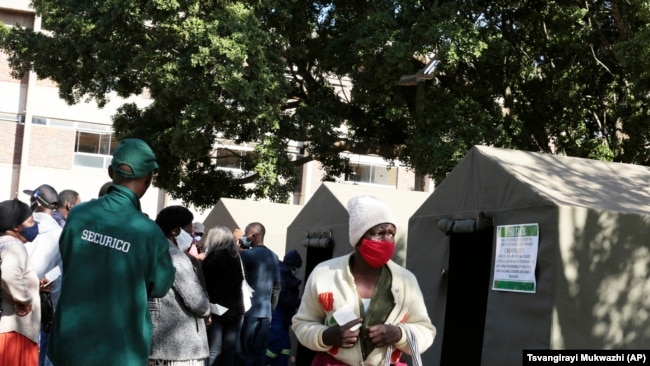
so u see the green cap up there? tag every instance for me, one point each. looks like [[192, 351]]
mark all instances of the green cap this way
[[135, 154]]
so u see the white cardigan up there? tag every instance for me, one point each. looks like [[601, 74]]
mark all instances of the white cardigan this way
[[334, 276], [20, 283]]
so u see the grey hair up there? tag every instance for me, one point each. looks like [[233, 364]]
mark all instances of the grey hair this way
[[221, 238], [67, 196]]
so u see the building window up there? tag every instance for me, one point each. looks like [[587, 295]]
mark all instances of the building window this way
[[94, 143], [12, 117], [372, 174], [94, 149], [230, 157]]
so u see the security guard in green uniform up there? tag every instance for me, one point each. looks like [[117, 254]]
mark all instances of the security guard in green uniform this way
[[114, 258]]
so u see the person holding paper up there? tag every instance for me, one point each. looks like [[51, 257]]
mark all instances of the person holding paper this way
[[44, 249], [179, 330], [44, 252], [383, 299], [223, 278]]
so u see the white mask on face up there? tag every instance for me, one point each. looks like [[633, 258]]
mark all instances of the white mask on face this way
[[184, 240]]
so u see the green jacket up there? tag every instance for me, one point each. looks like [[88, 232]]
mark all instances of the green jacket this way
[[114, 258]]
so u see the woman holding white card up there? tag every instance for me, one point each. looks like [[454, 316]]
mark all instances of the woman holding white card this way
[[223, 278], [383, 299]]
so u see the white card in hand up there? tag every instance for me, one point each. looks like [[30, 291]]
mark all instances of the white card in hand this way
[[53, 274], [218, 309], [344, 315]]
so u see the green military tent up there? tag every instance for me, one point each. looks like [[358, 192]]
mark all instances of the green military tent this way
[[517, 250]]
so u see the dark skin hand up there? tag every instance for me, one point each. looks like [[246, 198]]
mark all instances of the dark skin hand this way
[[342, 336], [366, 278], [382, 335], [22, 309], [45, 285]]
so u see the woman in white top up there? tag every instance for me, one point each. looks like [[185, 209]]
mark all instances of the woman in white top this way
[[382, 298], [20, 322]]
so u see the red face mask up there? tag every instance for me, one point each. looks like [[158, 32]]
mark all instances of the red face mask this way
[[376, 253]]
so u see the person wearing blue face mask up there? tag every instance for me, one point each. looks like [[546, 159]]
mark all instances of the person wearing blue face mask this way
[[238, 233], [197, 233], [29, 232], [262, 270], [247, 241], [21, 318]]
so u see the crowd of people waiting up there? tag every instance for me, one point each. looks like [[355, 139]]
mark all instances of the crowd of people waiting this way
[[104, 284]]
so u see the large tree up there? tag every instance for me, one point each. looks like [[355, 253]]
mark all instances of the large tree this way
[[555, 77]]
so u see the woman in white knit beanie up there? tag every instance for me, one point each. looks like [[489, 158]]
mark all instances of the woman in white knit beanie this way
[[363, 308]]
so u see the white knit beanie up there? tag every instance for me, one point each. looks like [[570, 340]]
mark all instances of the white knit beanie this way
[[366, 212]]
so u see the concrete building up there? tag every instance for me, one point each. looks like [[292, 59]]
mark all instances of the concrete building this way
[[45, 140]]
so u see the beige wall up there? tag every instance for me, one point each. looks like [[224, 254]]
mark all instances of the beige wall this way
[[17, 5]]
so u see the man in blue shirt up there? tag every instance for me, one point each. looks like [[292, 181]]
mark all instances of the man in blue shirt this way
[[263, 274], [67, 199]]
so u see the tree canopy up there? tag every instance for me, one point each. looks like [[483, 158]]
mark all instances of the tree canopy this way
[[548, 76]]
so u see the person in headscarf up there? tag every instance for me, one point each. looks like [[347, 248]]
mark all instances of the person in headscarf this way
[[20, 322]]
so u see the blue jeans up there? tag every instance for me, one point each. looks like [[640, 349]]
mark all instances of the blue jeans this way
[[223, 337], [43, 360], [254, 340]]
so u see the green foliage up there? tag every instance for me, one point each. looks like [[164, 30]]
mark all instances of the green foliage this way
[[544, 76]]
